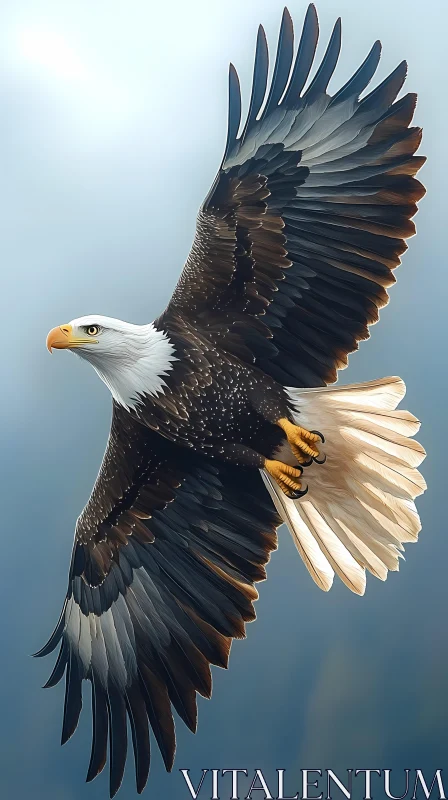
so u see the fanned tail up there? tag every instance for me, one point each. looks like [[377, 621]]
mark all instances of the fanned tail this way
[[360, 507]]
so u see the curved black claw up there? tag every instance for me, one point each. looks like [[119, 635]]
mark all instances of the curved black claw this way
[[297, 495], [320, 461], [318, 433], [307, 463]]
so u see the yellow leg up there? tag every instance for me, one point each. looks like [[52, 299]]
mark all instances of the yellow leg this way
[[288, 478], [301, 441]]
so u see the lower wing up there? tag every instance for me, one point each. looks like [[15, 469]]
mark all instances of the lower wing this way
[[165, 558]]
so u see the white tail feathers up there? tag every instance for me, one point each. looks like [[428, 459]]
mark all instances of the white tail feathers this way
[[360, 504]]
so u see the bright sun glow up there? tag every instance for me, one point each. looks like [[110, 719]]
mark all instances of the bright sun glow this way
[[99, 101], [50, 50]]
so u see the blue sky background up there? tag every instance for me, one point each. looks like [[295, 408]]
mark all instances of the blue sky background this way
[[113, 119]]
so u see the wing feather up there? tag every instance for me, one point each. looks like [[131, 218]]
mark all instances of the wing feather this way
[[304, 58], [165, 557], [307, 217]]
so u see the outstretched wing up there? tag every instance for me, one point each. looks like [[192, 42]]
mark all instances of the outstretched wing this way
[[296, 242], [162, 577]]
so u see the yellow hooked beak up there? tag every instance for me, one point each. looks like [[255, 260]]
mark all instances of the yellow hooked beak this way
[[62, 338]]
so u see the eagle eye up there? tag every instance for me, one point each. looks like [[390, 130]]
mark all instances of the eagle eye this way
[[92, 330]]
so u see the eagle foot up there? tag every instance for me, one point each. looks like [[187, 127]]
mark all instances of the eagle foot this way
[[302, 442], [288, 478]]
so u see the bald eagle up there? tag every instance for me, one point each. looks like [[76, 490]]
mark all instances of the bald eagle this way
[[224, 424]]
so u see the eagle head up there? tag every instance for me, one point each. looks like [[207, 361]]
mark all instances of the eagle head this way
[[132, 360]]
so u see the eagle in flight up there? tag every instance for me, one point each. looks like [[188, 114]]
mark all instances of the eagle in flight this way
[[224, 424]]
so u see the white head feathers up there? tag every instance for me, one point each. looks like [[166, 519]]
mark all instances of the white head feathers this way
[[132, 360]]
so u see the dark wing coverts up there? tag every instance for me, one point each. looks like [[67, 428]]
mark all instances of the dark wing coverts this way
[[166, 554], [296, 242]]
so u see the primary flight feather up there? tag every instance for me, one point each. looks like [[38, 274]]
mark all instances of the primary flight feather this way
[[221, 405]]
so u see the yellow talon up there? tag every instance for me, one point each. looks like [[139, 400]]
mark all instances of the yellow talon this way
[[301, 441], [288, 478]]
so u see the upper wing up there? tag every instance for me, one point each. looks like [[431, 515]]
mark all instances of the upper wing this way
[[165, 557], [296, 242]]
